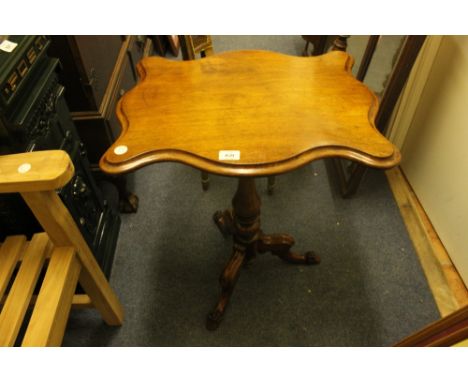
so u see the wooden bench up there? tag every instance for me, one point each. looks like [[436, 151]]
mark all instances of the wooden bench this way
[[42, 274]]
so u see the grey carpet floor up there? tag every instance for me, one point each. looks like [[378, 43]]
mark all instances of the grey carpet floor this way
[[369, 289]]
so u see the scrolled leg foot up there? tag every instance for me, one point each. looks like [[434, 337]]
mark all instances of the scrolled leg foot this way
[[227, 281], [312, 258], [280, 245], [213, 320], [129, 204]]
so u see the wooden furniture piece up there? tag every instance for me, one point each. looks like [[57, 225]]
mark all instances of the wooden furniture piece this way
[[174, 44], [318, 43], [190, 46], [97, 71], [349, 176], [60, 252], [341, 43], [248, 114], [367, 56], [447, 331], [162, 44]]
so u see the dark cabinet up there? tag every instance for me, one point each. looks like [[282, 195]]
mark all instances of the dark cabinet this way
[[36, 117], [88, 63], [97, 71]]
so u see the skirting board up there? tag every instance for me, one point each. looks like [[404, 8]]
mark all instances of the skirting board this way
[[448, 289]]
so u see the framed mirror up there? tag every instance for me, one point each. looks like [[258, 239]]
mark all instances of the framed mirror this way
[[384, 64]]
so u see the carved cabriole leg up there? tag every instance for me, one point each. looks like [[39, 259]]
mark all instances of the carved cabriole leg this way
[[227, 281], [271, 185], [205, 180], [128, 201], [280, 245], [245, 223], [129, 204], [305, 52]]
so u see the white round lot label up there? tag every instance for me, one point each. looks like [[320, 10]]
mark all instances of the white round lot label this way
[[120, 150], [24, 168]]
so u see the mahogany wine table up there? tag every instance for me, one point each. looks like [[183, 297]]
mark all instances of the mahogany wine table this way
[[248, 114]]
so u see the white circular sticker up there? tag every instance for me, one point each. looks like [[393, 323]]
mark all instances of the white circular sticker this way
[[120, 150], [25, 167]]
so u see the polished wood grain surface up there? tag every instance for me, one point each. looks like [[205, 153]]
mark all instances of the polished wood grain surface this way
[[279, 112]]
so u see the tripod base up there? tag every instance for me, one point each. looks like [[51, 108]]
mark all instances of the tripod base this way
[[243, 224]]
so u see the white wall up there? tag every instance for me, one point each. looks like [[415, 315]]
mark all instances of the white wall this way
[[435, 151]]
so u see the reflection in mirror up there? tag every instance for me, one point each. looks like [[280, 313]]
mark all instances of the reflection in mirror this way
[[286, 44], [383, 60], [385, 55]]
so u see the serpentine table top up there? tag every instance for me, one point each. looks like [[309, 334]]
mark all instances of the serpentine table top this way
[[248, 113]]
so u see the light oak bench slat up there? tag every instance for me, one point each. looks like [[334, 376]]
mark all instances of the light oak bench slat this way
[[49, 319], [10, 252], [22, 289], [79, 301]]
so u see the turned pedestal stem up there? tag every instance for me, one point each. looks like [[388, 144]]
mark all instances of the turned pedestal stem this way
[[246, 211]]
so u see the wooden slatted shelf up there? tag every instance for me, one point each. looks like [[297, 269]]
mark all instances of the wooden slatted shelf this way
[[21, 264], [42, 274]]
